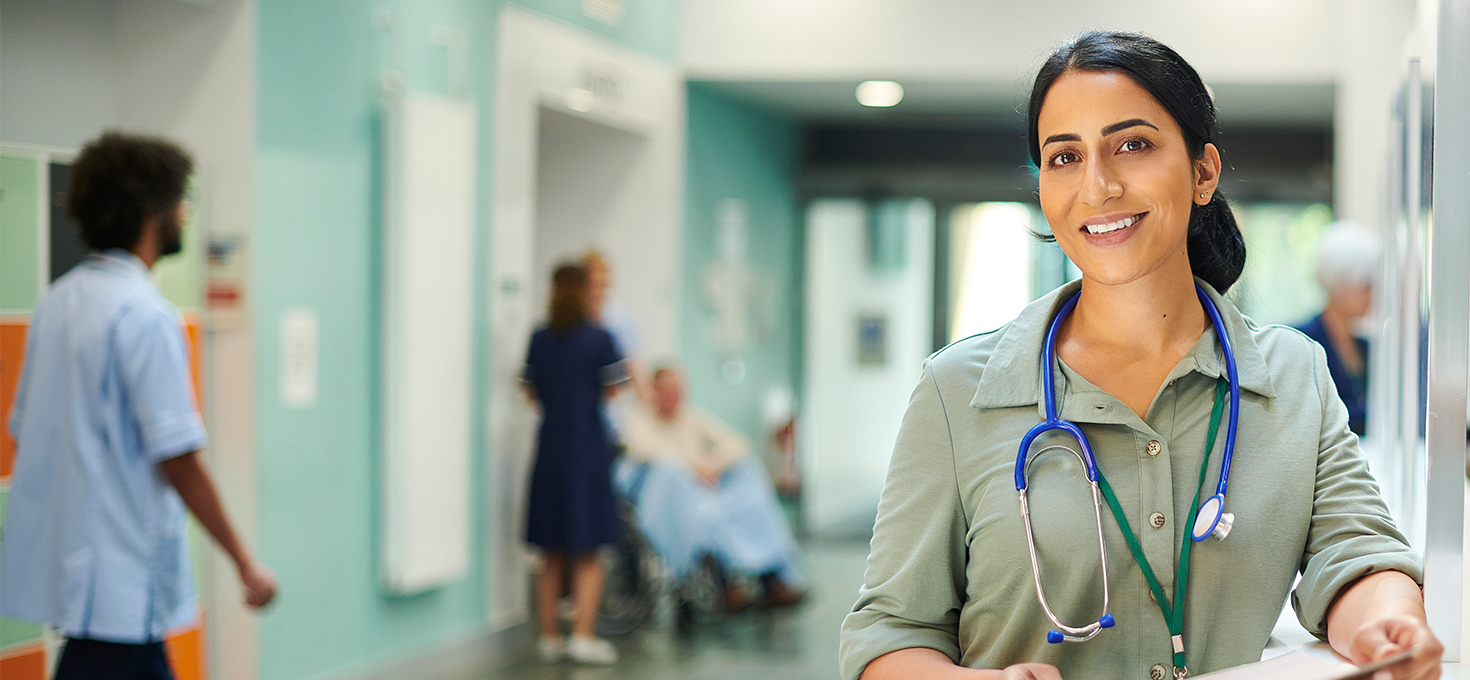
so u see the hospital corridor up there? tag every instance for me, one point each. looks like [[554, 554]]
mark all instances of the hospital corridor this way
[[734, 339]]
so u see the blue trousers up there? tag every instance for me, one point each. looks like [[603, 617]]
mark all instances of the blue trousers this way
[[85, 659], [739, 522]]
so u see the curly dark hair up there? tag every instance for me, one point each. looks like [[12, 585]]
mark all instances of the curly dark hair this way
[[120, 180]]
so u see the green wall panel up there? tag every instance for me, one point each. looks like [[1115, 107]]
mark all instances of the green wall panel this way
[[739, 151], [14, 633], [19, 233]]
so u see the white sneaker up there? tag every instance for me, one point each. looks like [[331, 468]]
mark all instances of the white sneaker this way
[[551, 649], [591, 650]]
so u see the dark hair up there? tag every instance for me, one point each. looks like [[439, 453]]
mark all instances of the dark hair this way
[[1216, 247], [569, 304], [121, 180]]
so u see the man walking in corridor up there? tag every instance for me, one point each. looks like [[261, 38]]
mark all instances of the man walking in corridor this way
[[108, 438]]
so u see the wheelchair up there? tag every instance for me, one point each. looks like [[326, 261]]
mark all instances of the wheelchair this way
[[636, 582]]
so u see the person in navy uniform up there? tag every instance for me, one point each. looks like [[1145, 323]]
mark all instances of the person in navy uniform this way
[[1347, 264], [572, 367]]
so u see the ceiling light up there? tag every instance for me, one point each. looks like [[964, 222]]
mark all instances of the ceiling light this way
[[879, 93]]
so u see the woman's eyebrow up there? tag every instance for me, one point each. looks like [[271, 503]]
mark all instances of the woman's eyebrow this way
[[1132, 122], [1068, 137]]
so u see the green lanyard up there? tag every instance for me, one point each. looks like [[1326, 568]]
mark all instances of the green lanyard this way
[[1173, 615]]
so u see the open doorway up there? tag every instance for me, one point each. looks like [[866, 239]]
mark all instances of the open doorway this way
[[583, 173]]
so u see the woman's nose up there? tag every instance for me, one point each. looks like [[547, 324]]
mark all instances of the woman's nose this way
[[1100, 184]]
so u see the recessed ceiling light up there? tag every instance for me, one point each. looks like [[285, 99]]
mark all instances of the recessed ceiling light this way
[[879, 93]]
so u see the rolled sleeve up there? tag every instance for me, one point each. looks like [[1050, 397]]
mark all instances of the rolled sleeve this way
[[155, 373], [1352, 534], [615, 373], [915, 579], [612, 368]]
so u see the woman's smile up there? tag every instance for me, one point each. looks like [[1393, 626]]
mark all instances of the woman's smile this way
[[1111, 229]]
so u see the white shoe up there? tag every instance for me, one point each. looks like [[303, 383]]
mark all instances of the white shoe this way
[[591, 650], [551, 649]]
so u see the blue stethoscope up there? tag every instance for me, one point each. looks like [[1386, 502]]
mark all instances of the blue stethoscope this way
[[1210, 520]]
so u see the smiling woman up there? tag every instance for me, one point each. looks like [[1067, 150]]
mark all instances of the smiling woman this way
[[1134, 377]]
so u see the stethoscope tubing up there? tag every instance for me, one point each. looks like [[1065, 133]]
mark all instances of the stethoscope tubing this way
[[1054, 422], [1232, 375]]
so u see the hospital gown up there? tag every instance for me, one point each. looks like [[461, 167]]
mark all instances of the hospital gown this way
[[740, 521]]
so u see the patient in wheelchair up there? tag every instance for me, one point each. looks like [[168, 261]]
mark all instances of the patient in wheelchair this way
[[701, 493]]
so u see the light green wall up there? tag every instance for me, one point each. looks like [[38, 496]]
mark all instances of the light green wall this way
[[736, 150], [181, 276], [316, 245], [20, 224]]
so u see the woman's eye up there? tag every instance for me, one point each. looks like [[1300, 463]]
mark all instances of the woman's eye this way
[[1135, 145], [1064, 158]]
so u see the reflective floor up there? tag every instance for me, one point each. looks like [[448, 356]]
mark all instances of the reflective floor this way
[[793, 644]]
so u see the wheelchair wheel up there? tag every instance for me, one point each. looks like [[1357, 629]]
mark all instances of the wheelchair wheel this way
[[631, 572], [701, 593]]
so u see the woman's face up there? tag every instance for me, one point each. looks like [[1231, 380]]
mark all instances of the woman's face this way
[[1117, 183]]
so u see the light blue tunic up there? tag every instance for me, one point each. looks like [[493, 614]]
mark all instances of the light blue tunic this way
[[94, 540]]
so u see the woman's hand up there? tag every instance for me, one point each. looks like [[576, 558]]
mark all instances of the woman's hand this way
[[1389, 635], [1031, 671], [920, 662], [1381, 615]]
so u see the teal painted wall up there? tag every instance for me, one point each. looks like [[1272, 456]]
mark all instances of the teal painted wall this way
[[316, 245], [737, 150]]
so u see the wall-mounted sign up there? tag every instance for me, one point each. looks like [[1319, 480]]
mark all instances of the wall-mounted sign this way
[[872, 339], [609, 12]]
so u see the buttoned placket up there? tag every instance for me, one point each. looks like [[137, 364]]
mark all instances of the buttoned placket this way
[[1083, 403]]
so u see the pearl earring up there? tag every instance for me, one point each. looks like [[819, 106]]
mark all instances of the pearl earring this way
[[1201, 195]]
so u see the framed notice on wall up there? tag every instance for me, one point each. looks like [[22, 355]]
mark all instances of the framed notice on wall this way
[[872, 339]]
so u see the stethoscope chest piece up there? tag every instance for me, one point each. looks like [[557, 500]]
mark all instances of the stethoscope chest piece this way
[[1212, 520]]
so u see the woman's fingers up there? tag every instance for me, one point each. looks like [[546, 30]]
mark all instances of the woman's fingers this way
[[1032, 671], [1381, 638]]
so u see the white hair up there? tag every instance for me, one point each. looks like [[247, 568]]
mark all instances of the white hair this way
[[1347, 253]]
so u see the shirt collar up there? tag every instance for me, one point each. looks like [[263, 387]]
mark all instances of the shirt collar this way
[[1012, 376], [120, 261]]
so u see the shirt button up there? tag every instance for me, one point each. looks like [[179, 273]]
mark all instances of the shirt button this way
[[1154, 447], [1158, 672], [1156, 519]]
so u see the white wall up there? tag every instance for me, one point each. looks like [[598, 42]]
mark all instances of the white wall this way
[[72, 68], [852, 411], [1244, 41]]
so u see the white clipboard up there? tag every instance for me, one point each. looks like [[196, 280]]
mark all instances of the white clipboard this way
[[1300, 665]]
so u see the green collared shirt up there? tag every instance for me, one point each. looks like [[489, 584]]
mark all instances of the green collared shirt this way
[[949, 568]]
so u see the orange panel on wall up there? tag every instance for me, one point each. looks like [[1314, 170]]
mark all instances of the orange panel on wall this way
[[194, 337], [186, 652], [12, 355], [24, 663]]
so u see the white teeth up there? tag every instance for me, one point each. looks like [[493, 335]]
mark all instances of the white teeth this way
[[1111, 226]]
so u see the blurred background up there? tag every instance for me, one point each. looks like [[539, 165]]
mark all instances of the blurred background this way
[[798, 200]]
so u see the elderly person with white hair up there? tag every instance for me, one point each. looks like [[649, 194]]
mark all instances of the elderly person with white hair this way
[[1347, 264]]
